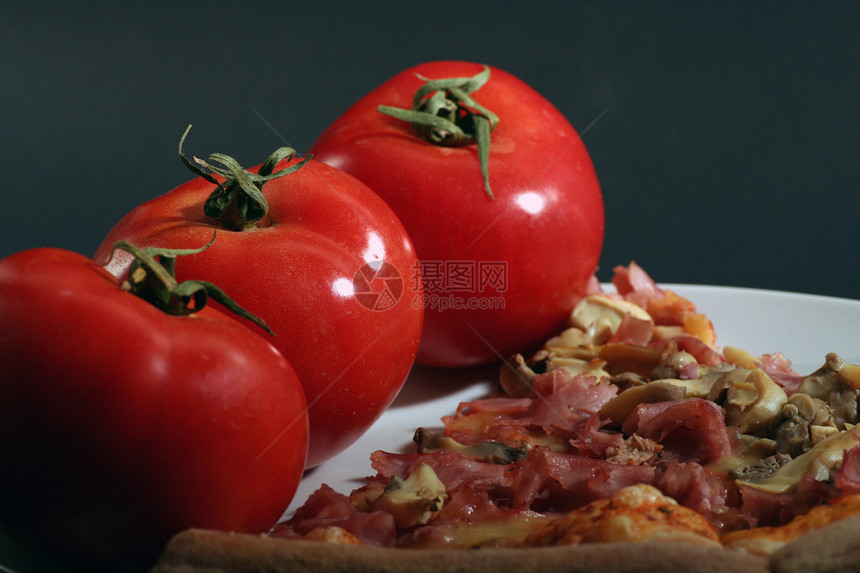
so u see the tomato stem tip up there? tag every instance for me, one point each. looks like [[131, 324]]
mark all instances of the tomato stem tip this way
[[152, 277], [237, 202], [445, 113]]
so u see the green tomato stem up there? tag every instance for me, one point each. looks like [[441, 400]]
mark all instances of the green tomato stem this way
[[237, 202], [152, 277], [444, 113]]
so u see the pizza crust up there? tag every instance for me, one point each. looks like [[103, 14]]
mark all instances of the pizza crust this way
[[833, 548], [204, 551]]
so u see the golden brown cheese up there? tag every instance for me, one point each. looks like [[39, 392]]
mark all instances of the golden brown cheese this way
[[636, 513]]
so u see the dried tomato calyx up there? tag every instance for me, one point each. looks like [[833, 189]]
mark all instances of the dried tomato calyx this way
[[237, 202], [444, 113], [152, 277]]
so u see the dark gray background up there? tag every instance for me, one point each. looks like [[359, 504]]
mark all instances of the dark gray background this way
[[725, 135]]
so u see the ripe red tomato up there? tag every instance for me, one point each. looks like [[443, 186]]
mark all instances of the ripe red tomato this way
[[502, 265], [121, 425], [327, 266]]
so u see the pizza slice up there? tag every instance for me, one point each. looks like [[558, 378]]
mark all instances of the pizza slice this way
[[628, 432]]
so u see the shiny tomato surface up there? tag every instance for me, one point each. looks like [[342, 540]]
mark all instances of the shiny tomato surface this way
[[503, 273], [328, 268], [121, 425]]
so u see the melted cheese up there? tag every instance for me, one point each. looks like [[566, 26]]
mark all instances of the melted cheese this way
[[500, 531], [636, 513]]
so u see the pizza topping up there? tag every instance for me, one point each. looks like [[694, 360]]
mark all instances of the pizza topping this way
[[779, 368], [707, 492], [636, 513], [415, 500], [803, 422], [561, 404], [619, 408], [493, 452], [333, 534], [678, 365], [326, 508], [837, 386], [762, 468], [516, 377], [710, 385], [673, 315], [819, 463], [847, 479], [752, 400], [635, 284], [635, 450], [604, 318], [631, 400], [691, 429], [549, 481]]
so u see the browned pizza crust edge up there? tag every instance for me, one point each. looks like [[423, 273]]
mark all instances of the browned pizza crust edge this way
[[202, 551], [833, 548]]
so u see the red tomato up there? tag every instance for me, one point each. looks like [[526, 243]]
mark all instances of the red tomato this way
[[121, 425], [502, 273], [327, 267]]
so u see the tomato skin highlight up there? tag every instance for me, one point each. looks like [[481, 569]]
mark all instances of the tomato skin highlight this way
[[121, 425], [546, 223], [295, 270]]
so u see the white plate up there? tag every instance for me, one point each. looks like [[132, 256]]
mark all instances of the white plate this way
[[803, 327]]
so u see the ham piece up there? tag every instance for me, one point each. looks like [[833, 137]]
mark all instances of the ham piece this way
[[690, 429]]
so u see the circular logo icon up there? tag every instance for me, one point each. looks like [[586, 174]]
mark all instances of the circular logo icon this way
[[377, 285]]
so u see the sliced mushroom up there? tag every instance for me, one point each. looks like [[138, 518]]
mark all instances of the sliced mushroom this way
[[673, 365], [492, 452], [836, 389], [762, 468], [621, 358], [627, 380], [568, 340], [801, 424], [753, 401], [576, 366], [600, 315], [516, 377], [751, 459], [619, 408], [415, 500], [705, 386]]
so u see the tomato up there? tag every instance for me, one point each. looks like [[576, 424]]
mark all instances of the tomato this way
[[505, 259], [327, 265], [121, 424]]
